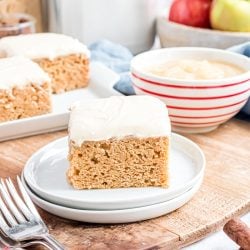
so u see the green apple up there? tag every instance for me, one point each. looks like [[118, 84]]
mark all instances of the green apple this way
[[230, 15]]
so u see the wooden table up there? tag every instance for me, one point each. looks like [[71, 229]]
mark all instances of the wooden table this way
[[224, 193]]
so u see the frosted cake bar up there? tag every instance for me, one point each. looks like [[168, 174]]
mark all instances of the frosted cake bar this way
[[25, 89], [119, 142], [65, 59]]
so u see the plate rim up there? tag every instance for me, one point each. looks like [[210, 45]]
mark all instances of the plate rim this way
[[196, 187], [110, 203]]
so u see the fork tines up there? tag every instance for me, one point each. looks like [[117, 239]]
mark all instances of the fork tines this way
[[14, 209]]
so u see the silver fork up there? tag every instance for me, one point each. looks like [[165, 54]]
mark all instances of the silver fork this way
[[21, 245], [11, 244], [19, 219]]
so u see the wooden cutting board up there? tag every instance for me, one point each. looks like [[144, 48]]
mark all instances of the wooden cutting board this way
[[224, 193]]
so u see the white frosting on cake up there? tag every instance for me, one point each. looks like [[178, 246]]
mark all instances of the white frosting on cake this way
[[41, 45], [117, 117], [20, 71]]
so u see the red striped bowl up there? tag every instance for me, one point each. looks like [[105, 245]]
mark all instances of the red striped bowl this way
[[194, 105]]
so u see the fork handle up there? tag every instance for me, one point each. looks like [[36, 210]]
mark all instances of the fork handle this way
[[54, 244]]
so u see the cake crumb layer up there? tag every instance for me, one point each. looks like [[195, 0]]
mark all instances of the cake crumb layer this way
[[127, 162], [26, 101], [67, 72]]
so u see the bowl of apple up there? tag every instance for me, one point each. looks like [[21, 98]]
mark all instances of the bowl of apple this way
[[205, 23]]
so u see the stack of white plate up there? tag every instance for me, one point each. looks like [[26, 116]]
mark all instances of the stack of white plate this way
[[44, 177]]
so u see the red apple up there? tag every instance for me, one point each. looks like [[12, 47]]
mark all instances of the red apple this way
[[191, 12]]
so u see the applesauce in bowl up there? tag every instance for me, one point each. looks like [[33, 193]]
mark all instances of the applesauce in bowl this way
[[191, 69], [202, 87]]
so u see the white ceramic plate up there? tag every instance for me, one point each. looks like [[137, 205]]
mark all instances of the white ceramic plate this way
[[45, 173], [114, 216], [101, 84]]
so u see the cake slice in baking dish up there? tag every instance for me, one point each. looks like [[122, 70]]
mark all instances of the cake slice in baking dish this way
[[25, 89], [64, 58], [119, 142]]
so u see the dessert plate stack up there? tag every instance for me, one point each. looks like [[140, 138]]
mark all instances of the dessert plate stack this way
[[44, 178]]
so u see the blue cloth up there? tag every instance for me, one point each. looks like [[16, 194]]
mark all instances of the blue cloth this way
[[118, 58], [243, 49]]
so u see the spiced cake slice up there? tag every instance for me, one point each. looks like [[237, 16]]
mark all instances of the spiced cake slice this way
[[64, 58], [25, 89], [119, 142]]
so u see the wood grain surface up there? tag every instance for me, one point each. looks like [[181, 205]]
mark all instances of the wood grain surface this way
[[224, 194]]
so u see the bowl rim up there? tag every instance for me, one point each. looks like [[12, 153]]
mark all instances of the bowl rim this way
[[210, 82]]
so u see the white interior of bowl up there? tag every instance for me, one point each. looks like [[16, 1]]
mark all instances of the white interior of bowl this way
[[141, 62]]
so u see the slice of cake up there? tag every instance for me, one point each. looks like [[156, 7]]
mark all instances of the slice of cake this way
[[25, 89], [65, 59], [119, 142]]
